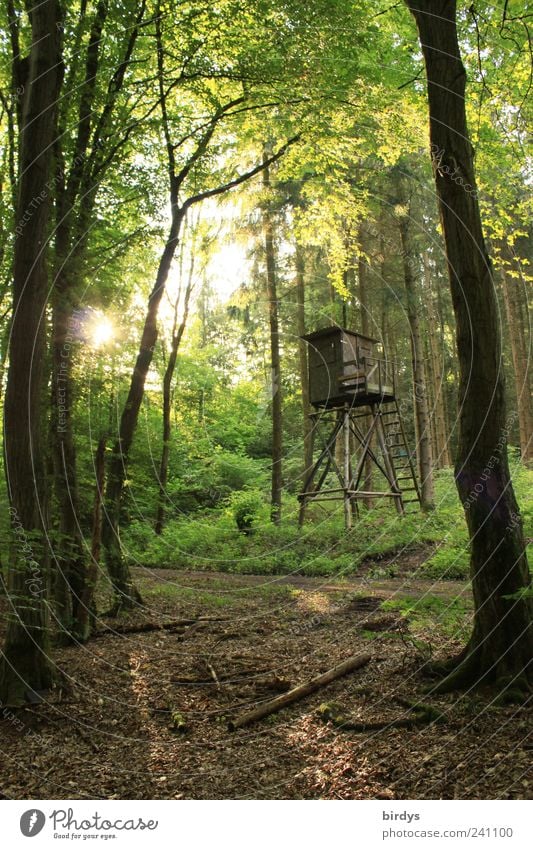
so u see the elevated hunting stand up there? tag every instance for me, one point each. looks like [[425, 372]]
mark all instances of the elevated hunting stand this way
[[353, 390]]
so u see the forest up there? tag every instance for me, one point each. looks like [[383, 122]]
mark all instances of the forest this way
[[267, 458]]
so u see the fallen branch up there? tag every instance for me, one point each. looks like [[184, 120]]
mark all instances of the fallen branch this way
[[214, 675], [145, 627], [244, 675], [299, 692]]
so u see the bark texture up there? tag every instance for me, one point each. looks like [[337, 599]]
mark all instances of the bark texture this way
[[25, 664], [501, 645]]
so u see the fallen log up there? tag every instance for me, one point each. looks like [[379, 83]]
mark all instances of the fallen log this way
[[300, 692], [145, 627], [236, 676]]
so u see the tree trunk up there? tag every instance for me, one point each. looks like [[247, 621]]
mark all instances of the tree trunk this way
[[25, 664], [271, 287], [441, 437], [69, 556], [501, 645], [423, 430], [364, 311], [86, 608], [302, 353], [520, 362], [177, 335], [119, 571]]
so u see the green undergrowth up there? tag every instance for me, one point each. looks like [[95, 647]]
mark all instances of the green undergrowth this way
[[211, 541], [451, 616]]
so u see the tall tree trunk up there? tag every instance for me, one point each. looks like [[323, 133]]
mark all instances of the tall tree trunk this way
[[501, 645], [441, 436], [423, 430], [275, 365], [69, 555], [364, 311], [76, 192], [25, 664], [519, 353], [177, 335], [86, 607], [302, 355], [430, 391], [119, 571]]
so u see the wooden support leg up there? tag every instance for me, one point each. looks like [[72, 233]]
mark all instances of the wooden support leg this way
[[326, 458], [347, 471]]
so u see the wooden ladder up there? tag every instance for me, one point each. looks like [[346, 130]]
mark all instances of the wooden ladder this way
[[399, 454]]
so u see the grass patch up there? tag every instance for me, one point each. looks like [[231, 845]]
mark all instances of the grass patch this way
[[211, 541], [452, 617]]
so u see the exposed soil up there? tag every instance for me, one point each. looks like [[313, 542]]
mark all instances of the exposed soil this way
[[146, 713]]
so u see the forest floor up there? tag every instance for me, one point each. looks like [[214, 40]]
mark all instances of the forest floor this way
[[146, 712]]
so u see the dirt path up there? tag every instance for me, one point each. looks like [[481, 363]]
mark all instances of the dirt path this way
[[404, 584]]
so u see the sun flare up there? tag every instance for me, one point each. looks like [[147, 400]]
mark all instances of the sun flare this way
[[102, 332]]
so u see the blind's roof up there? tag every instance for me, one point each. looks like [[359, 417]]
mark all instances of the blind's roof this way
[[332, 331]]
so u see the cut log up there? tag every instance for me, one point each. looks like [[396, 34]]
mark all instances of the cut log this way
[[299, 692]]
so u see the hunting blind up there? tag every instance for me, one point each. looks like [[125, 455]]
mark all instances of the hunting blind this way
[[352, 387]]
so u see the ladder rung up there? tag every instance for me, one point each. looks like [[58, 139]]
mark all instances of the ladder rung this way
[[410, 500]]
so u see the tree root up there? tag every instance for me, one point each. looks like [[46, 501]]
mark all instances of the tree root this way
[[470, 670], [422, 714]]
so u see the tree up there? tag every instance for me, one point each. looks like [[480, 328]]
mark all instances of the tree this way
[[25, 666], [81, 167], [299, 260], [186, 151], [512, 285], [501, 646], [178, 329], [441, 453], [405, 223], [275, 361]]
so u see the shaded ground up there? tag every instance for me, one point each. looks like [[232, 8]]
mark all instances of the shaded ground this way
[[115, 735]]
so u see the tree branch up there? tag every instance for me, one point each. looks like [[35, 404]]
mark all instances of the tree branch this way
[[209, 193]]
